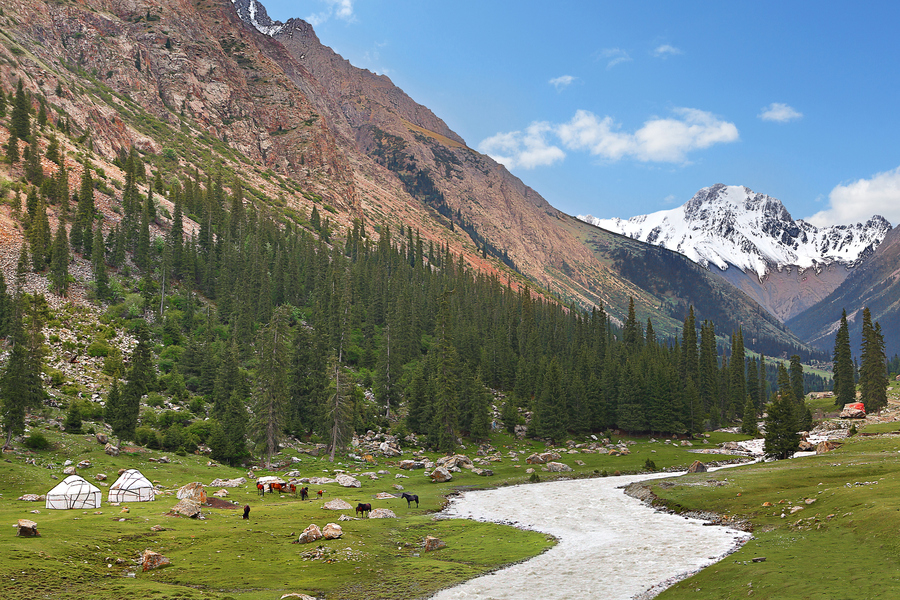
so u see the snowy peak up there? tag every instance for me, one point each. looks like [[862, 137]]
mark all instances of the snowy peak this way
[[254, 13], [733, 225]]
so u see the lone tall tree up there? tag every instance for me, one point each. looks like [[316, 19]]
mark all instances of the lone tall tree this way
[[873, 378]]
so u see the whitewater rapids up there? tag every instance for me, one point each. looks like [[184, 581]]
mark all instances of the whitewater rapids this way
[[611, 546]]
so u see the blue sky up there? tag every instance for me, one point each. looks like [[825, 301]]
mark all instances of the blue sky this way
[[624, 108]]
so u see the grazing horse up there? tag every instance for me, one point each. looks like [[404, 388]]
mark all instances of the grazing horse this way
[[410, 498], [246, 511], [276, 486], [293, 489], [304, 493], [363, 509], [261, 488], [320, 492]]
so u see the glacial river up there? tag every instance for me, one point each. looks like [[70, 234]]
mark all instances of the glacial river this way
[[611, 546]]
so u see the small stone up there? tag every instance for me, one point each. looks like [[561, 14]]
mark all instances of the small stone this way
[[432, 543], [153, 560]]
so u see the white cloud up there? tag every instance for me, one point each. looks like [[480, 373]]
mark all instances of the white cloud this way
[[780, 113], [562, 81], [614, 56], [858, 201], [670, 199], [665, 51], [527, 150], [342, 9], [659, 140]]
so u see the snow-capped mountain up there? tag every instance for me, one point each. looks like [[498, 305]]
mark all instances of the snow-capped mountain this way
[[732, 225], [251, 11]]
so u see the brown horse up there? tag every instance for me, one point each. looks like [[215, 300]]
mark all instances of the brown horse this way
[[261, 489], [276, 486], [363, 509]]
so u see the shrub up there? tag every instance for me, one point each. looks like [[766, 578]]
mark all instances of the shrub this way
[[36, 441], [98, 348], [535, 478], [649, 465]]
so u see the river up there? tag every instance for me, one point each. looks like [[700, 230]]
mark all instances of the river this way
[[611, 546]]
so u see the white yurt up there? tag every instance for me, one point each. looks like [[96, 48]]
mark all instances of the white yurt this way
[[73, 492], [131, 486]]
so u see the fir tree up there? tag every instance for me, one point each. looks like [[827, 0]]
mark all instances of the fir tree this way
[[782, 438], [873, 376], [59, 268], [98, 262], [844, 380], [804, 415], [273, 346], [12, 147], [20, 121]]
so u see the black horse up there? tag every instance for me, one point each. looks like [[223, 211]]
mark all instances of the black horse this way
[[363, 509], [410, 498], [247, 511], [304, 493]]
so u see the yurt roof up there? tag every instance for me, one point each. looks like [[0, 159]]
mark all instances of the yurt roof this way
[[73, 482]]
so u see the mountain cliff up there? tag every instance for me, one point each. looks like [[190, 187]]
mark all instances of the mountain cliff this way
[[203, 84], [785, 264]]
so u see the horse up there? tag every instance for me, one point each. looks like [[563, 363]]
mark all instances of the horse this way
[[320, 492], [410, 498], [363, 508], [304, 493], [261, 488], [293, 489], [276, 486], [246, 511]]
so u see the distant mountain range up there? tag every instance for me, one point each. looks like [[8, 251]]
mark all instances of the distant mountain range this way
[[751, 240]]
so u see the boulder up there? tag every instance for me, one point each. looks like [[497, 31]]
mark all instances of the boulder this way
[[85, 464], [337, 504], [321, 480], [440, 475], [292, 474], [102, 438], [411, 464], [310, 534], [348, 481], [432, 543], [186, 507], [535, 459], [193, 491], [483, 472], [223, 493], [296, 596], [332, 531], [100, 476], [32, 498], [827, 446], [153, 560], [697, 467], [382, 513], [111, 450], [558, 467], [855, 410], [806, 446], [27, 528], [384, 496], [69, 471], [457, 460], [228, 483], [397, 486]]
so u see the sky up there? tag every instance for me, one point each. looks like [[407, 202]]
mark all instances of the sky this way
[[616, 109]]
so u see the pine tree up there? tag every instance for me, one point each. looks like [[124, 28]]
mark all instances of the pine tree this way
[[34, 172], [20, 383], [273, 346], [98, 261], [738, 380], [59, 268], [782, 438], [141, 378], [12, 147], [804, 415], [873, 376], [844, 380], [690, 366], [20, 121]]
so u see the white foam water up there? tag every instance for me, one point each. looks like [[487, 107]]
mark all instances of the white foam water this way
[[611, 546]]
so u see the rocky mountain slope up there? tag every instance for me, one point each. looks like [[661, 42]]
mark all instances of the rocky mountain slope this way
[[194, 84], [875, 284], [785, 265]]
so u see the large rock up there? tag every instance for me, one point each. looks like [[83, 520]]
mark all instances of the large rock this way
[[558, 467], [382, 513], [69, 471], [102, 438], [697, 467], [457, 460], [411, 464], [85, 464], [27, 528], [853, 411], [111, 450], [384, 496], [806, 446], [432, 543], [332, 531], [296, 596], [535, 459], [32, 498], [348, 481], [310, 534], [440, 475], [337, 504], [827, 446], [153, 560], [228, 483], [187, 507], [193, 491]]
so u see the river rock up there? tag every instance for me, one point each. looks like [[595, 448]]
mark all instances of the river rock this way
[[432, 543], [310, 534], [558, 467], [337, 504], [186, 507], [153, 560], [332, 531], [382, 513], [440, 475], [348, 481], [697, 467], [193, 491]]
